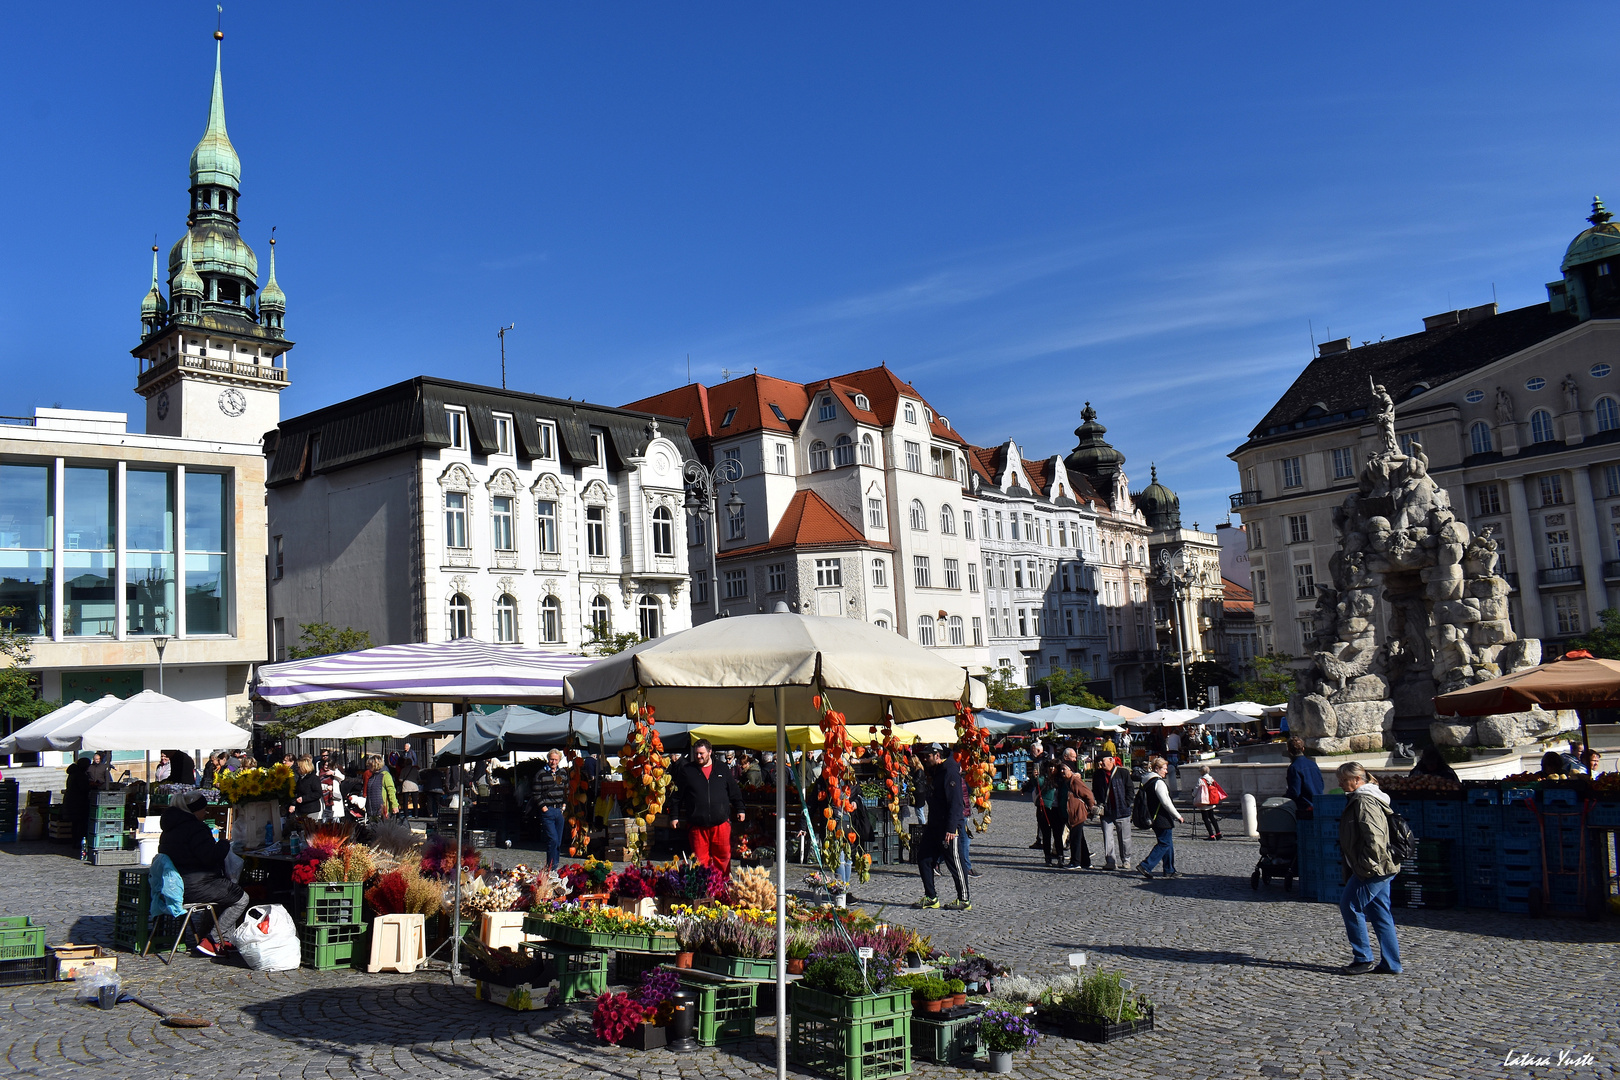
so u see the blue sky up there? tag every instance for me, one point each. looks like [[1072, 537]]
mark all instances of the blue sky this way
[[1017, 207]]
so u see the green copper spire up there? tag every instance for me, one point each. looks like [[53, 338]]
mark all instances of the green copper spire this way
[[214, 162], [187, 281], [272, 301], [153, 307]]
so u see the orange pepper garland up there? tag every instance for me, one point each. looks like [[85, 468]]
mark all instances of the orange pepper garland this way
[[840, 838], [977, 763], [645, 766], [579, 810]]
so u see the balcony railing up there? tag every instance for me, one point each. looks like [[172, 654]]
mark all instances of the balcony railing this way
[[1561, 575], [1245, 498], [237, 368], [1132, 656]]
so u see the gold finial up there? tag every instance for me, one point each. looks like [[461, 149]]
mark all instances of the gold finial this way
[[272, 236]]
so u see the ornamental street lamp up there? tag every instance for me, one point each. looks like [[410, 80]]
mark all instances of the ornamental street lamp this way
[[1177, 580], [160, 643], [703, 501]]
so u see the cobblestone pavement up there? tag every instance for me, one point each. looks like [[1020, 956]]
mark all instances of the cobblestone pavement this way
[[1245, 984]]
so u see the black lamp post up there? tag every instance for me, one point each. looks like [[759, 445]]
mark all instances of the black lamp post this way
[[702, 501]]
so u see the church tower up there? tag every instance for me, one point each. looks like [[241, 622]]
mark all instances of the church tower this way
[[212, 361]]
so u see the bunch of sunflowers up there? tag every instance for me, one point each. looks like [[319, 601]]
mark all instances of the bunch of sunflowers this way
[[276, 782]]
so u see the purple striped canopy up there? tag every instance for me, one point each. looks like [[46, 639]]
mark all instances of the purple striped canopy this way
[[431, 671]]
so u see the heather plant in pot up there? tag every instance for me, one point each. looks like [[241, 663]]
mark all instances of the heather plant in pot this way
[[1004, 1033]]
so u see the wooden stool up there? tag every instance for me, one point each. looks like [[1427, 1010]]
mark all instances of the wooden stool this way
[[398, 943]]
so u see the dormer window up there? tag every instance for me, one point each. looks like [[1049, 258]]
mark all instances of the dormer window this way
[[911, 413], [928, 416], [725, 421], [862, 403], [503, 434], [828, 410]]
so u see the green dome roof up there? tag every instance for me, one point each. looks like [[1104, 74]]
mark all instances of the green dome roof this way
[[1092, 453], [214, 161], [271, 295], [153, 304], [1599, 242], [186, 279], [218, 249], [1159, 505]]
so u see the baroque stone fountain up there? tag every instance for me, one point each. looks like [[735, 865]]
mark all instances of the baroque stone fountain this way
[[1449, 625]]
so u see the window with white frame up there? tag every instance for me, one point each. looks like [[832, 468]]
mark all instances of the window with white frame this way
[[925, 624], [1257, 582], [978, 631], [503, 434], [1607, 414], [868, 451], [956, 630], [1489, 498], [919, 516], [1611, 480], [460, 617], [953, 574], [1408, 441], [843, 451], [1299, 528], [829, 573], [545, 516], [819, 458], [914, 457], [967, 524], [601, 611], [663, 531], [1559, 552], [973, 576], [984, 522], [279, 549], [596, 531], [781, 459], [863, 403], [737, 523], [548, 441], [921, 575], [652, 622], [1001, 571], [455, 420], [874, 513], [911, 413], [1344, 463], [880, 574], [734, 455], [506, 619], [828, 410], [1023, 622], [455, 519], [1304, 581], [696, 530], [501, 530], [947, 520], [1552, 489], [599, 447], [1479, 437], [1018, 573], [1541, 426], [776, 577], [736, 584], [551, 620], [1293, 476]]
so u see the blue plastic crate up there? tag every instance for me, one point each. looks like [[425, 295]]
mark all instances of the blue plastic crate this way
[[1330, 807], [1308, 828], [1604, 815], [1482, 796], [1441, 812], [1509, 857], [1450, 830], [1411, 810], [1518, 795], [1558, 797], [1481, 896], [1487, 816], [1513, 899], [1480, 875]]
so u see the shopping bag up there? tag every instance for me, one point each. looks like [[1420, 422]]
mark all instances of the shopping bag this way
[[267, 939]]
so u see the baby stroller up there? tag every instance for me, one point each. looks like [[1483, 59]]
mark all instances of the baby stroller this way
[[1279, 843]]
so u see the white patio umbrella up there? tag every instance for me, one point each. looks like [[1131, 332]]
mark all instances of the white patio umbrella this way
[[1074, 718], [1251, 709], [365, 724], [770, 667], [1165, 718], [146, 721], [1225, 715], [31, 739]]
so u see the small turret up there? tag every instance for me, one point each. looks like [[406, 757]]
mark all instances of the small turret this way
[[1159, 505], [272, 301], [154, 310], [187, 285]]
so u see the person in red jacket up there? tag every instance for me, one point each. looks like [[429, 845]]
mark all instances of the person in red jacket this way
[[707, 798]]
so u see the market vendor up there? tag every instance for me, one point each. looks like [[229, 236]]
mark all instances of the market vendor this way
[[707, 798], [200, 859]]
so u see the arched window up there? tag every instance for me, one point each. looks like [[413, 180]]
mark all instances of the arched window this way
[[956, 630], [1541, 426], [1480, 437], [862, 403], [947, 520], [506, 619], [663, 532], [601, 619], [551, 619], [818, 456], [460, 617], [925, 629], [868, 451], [1608, 414], [919, 516], [648, 609], [911, 413], [843, 451]]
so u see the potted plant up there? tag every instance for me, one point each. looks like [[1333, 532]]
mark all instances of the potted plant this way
[[838, 987], [1002, 1034], [691, 934], [799, 944], [958, 992], [1099, 1008]]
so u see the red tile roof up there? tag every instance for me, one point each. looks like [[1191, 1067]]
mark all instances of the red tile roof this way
[[751, 396], [809, 522], [1235, 597]]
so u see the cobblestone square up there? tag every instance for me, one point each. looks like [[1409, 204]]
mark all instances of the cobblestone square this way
[[1245, 984]]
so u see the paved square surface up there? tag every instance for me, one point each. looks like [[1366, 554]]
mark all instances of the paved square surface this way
[[1245, 985]]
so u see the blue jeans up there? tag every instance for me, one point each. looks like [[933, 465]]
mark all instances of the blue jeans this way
[[1364, 902], [551, 819], [962, 843], [1164, 849]]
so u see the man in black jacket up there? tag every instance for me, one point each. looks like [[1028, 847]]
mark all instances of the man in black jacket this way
[[945, 821], [706, 799], [1116, 794], [200, 859], [551, 795]]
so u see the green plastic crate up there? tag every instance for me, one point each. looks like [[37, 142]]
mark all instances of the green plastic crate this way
[[629, 965], [583, 939], [327, 948], [116, 798], [331, 903], [735, 967], [99, 814], [802, 999], [945, 1042], [581, 973], [131, 926], [20, 939], [725, 1010], [852, 1049], [114, 857]]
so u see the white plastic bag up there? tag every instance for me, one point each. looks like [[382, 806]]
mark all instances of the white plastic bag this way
[[267, 939], [233, 865]]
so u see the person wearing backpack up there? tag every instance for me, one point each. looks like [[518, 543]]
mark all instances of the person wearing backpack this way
[[1154, 810], [1368, 834], [1206, 799]]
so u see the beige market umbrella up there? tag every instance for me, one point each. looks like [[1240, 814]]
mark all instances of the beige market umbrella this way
[[769, 667], [1126, 712], [1576, 680]]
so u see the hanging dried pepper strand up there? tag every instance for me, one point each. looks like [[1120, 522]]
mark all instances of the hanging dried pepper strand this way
[[977, 763]]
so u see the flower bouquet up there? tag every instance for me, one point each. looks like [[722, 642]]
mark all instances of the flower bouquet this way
[[254, 785]]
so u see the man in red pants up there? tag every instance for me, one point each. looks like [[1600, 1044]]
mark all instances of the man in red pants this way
[[706, 799]]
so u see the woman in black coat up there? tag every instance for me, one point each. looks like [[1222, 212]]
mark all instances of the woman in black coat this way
[[308, 798]]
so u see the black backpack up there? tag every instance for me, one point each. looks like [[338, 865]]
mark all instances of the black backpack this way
[[1403, 842], [1143, 812]]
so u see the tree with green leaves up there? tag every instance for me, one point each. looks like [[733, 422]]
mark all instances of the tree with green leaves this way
[[324, 639], [1067, 686], [1003, 694], [1274, 681], [1164, 682], [604, 642], [19, 691], [1604, 640]]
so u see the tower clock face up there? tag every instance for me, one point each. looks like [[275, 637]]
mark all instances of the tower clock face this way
[[163, 405], [232, 402]]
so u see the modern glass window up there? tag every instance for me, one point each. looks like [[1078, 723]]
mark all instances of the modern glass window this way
[[914, 457], [1607, 414], [548, 441], [819, 458], [1299, 528], [947, 521], [27, 548], [505, 619], [1541, 426], [208, 512], [503, 434], [1552, 489], [911, 413], [731, 413], [967, 524], [827, 410], [978, 631], [973, 576], [880, 574], [596, 531], [874, 513], [500, 523], [149, 583], [651, 617], [925, 623], [455, 421], [89, 601], [737, 523], [460, 621], [736, 584], [843, 451], [1304, 581], [1293, 476], [601, 610], [278, 556], [1490, 499], [868, 451], [921, 574], [919, 516], [829, 573], [956, 630], [455, 519], [545, 515], [1344, 463], [663, 531], [953, 574], [781, 459], [776, 577], [1611, 479], [700, 586], [551, 620]]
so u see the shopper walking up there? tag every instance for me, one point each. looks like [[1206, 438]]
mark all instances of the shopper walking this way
[[1364, 844], [1206, 798], [1304, 778], [1165, 817], [551, 795], [1051, 803], [939, 835], [1038, 760], [1118, 791], [382, 802], [707, 799], [1078, 805]]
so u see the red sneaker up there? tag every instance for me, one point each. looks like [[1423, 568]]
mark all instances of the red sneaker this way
[[206, 947]]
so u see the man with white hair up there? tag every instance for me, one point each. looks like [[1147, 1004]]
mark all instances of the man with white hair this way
[[1364, 846]]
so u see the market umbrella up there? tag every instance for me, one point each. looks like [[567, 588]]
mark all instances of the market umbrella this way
[[463, 670], [1165, 718], [1002, 723], [365, 724], [760, 736], [1225, 715], [1074, 718], [771, 667], [1251, 709], [146, 721], [941, 729], [1577, 680], [31, 739], [1126, 712]]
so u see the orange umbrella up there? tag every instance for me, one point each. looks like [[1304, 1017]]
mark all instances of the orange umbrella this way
[[1576, 680]]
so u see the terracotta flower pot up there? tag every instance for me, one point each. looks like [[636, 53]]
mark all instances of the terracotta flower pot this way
[[958, 1000], [683, 959], [934, 1006], [795, 967]]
